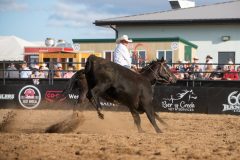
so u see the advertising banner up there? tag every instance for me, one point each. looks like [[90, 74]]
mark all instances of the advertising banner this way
[[180, 99], [213, 100]]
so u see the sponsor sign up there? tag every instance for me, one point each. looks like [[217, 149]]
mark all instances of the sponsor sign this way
[[29, 97], [180, 102], [54, 95], [7, 96], [73, 96], [233, 102], [36, 50]]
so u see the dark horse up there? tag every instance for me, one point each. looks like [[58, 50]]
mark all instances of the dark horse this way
[[111, 81]]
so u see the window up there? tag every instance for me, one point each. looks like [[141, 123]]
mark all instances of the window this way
[[139, 58], [83, 61], [108, 55], [167, 55], [224, 57]]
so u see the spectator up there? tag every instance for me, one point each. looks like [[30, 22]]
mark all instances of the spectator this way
[[25, 71], [195, 61], [41, 72], [45, 70], [231, 73], [36, 74], [188, 70], [69, 72], [175, 70], [58, 71], [238, 70], [217, 74], [180, 68], [208, 70], [208, 61], [198, 75], [12, 71]]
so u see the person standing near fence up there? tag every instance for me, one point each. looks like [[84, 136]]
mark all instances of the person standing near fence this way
[[12, 71], [121, 53], [25, 71], [69, 72], [231, 73]]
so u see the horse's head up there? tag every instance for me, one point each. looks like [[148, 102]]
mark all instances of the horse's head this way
[[165, 73], [158, 71]]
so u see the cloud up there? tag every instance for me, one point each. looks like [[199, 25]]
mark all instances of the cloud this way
[[79, 15], [76, 15], [12, 5], [123, 7]]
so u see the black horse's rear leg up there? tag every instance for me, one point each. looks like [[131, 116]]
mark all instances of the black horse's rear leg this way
[[151, 117], [95, 102], [137, 119], [94, 97]]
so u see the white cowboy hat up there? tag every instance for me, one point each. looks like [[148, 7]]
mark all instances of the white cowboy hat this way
[[124, 37]]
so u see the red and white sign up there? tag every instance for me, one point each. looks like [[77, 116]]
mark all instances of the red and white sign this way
[[36, 50]]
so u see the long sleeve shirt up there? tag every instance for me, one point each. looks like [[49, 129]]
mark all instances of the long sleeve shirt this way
[[122, 55]]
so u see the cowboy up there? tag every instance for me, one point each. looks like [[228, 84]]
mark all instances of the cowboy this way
[[121, 53]]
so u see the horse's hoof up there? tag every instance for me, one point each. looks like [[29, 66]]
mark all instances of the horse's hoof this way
[[159, 131], [141, 131], [101, 116]]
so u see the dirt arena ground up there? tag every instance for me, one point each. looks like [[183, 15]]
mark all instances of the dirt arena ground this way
[[186, 136]]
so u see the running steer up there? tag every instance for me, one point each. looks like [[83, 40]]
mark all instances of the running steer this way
[[123, 85]]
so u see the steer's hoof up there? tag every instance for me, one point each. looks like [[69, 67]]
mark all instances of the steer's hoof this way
[[101, 116]]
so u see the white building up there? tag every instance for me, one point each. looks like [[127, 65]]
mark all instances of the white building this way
[[215, 29]]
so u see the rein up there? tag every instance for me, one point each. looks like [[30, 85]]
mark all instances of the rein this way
[[157, 77]]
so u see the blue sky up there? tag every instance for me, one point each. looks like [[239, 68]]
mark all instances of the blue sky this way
[[35, 20]]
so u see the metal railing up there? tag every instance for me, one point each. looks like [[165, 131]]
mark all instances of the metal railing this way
[[5, 71]]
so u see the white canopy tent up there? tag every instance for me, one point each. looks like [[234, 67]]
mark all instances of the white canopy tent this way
[[12, 48]]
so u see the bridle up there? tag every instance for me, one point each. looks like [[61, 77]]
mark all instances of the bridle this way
[[159, 77]]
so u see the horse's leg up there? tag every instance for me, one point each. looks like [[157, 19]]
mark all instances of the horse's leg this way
[[151, 116], [159, 119], [137, 119], [95, 94], [95, 102]]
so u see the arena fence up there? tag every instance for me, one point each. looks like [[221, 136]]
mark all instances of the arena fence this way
[[188, 96], [204, 98]]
